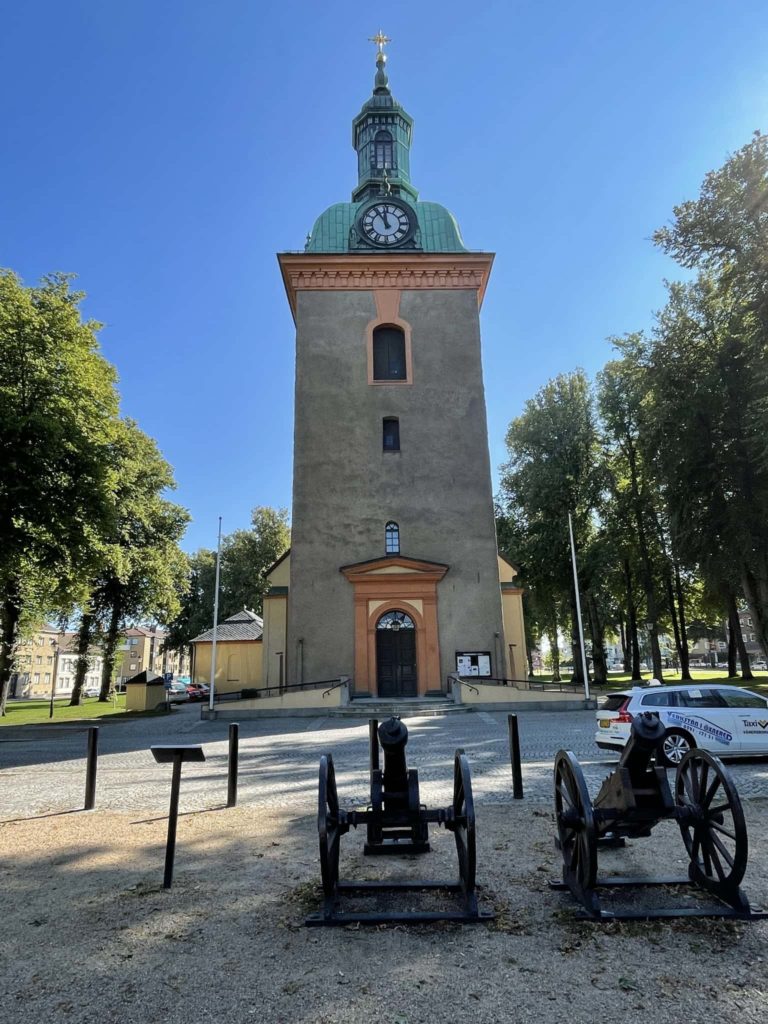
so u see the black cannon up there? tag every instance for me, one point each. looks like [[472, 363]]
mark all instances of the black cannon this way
[[396, 822], [632, 800]]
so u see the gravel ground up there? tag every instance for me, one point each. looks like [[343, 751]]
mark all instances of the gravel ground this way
[[89, 936]]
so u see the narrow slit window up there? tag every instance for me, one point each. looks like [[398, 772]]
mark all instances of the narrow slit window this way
[[392, 538], [391, 434], [388, 353]]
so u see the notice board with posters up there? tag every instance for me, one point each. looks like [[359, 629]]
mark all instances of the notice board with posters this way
[[473, 663]]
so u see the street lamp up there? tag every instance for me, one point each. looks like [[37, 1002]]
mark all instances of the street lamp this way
[[55, 646]]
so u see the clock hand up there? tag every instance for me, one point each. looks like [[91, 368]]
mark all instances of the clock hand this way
[[383, 215]]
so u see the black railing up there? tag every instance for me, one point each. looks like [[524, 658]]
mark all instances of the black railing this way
[[530, 683], [519, 684], [256, 693]]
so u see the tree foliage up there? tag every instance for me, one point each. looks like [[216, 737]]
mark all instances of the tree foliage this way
[[58, 404], [676, 519], [246, 555]]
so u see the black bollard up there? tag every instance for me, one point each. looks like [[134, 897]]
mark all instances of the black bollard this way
[[175, 756], [514, 756], [90, 768], [173, 817], [373, 743], [232, 764]]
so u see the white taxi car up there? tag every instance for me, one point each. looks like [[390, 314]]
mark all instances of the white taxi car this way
[[725, 720]]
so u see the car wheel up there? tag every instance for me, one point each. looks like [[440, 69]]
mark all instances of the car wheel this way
[[674, 746]]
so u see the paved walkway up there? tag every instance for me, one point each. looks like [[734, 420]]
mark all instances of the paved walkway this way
[[45, 772]]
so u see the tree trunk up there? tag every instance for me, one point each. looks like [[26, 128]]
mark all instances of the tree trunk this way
[[529, 657], [634, 643], [756, 594], [673, 614], [597, 631], [109, 650], [555, 649], [645, 562], [733, 632], [554, 646], [685, 657], [84, 637], [624, 640], [577, 676], [10, 612]]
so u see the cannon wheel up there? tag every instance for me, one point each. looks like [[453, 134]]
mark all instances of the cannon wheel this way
[[329, 833], [713, 828], [575, 826], [464, 822]]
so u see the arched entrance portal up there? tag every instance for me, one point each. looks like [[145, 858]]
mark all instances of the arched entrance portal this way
[[396, 655]]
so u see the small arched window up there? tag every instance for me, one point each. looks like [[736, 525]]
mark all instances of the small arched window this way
[[392, 538], [389, 353], [391, 434], [382, 150]]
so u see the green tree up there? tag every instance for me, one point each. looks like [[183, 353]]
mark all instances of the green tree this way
[[195, 600], [724, 235], [707, 430], [554, 469], [58, 404], [246, 555], [622, 390], [143, 570]]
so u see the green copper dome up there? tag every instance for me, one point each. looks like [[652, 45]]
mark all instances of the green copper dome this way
[[381, 135], [437, 230]]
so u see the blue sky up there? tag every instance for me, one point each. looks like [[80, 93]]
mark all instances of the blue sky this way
[[166, 152]]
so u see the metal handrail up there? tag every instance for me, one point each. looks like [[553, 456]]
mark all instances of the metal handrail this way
[[340, 682], [491, 680], [520, 684], [271, 691]]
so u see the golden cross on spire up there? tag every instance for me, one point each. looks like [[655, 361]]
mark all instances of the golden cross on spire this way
[[380, 39]]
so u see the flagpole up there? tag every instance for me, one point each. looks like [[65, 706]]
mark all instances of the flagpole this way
[[578, 611], [215, 621]]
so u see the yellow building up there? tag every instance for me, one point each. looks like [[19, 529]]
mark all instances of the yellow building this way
[[238, 653], [35, 663], [143, 650], [47, 662], [514, 627]]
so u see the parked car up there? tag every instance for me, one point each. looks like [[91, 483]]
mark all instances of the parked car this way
[[726, 720], [198, 691], [91, 691], [177, 693]]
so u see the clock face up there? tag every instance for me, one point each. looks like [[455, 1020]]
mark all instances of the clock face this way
[[385, 223]]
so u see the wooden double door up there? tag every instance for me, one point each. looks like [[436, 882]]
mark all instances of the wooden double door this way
[[396, 655]]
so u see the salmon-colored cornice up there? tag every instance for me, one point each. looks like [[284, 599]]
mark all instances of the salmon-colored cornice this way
[[417, 567], [413, 271]]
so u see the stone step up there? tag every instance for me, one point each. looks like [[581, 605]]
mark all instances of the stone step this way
[[382, 709]]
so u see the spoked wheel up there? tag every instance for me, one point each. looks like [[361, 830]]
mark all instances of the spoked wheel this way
[[712, 823], [464, 822], [575, 825], [329, 832]]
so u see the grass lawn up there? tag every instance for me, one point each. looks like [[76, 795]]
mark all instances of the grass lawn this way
[[35, 712], [619, 680]]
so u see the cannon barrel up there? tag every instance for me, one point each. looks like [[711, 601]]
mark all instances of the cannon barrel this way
[[393, 737], [645, 736]]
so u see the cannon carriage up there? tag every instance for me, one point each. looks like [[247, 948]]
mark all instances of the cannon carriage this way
[[396, 822], [632, 800]]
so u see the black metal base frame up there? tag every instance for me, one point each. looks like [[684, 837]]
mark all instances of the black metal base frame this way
[[593, 911], [469, 913], [395, 847]]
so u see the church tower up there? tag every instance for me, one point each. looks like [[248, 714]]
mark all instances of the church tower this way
[[393, 572]]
